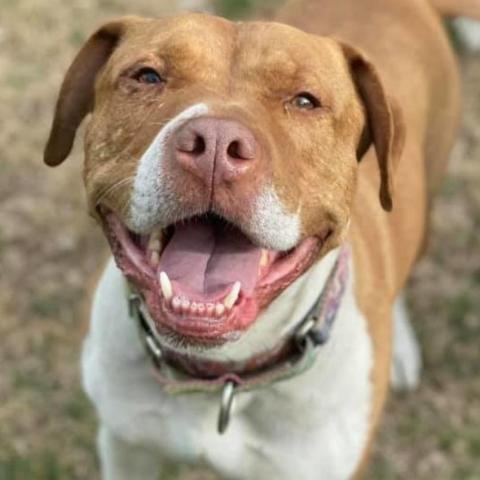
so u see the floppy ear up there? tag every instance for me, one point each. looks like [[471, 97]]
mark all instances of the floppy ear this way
[[385, 127], [76, 95]]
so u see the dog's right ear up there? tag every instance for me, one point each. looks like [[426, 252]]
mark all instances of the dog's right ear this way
[[385, 127], [76, 95]]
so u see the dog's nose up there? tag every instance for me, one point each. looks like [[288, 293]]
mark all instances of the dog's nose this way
[[215, 150]]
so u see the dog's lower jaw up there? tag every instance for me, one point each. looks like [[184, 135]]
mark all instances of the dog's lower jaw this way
[[326, 411]]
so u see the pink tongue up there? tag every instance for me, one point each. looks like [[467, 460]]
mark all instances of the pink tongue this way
[[207, 259]]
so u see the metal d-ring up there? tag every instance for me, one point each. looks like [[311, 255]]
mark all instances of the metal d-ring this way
[[226, 403]]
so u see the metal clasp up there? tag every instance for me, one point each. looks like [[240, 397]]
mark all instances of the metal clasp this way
[[226, 403]]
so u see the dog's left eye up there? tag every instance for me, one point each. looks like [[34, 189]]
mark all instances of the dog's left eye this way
[[148, 76], [306, 101]]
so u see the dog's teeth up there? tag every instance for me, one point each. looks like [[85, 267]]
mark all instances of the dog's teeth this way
[[185, 305], [210, 308], [165, 285], [177, 304], [154, 245], [231, 298], [155, 241], [156, 234], [219, 309], [155, 258], [181, 304], [264, 258]]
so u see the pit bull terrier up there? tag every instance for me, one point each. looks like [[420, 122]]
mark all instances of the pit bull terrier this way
[[265, 190]]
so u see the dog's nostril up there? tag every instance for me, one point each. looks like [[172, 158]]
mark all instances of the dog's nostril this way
[[193, 143], [235, 151], [198, 145]]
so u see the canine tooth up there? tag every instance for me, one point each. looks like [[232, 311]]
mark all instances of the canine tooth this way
[[155, 258], [219, 309], [154, 245], [165, 285], [194, 308], [156, 234], [264, 258], [231, 298]]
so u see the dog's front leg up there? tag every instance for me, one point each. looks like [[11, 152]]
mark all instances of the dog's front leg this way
[[121, 460]]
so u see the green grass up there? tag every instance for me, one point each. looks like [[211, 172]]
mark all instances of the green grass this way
[[234, 8]]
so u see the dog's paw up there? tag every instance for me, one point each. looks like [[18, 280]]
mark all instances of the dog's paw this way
[[406, 359], [469, 33]]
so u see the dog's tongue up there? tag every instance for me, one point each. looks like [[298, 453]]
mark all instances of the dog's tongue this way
[[206, 259]]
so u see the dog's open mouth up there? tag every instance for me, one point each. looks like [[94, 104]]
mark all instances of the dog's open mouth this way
[[202, 278]]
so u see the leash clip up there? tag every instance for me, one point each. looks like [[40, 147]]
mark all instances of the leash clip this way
[[226, 403]]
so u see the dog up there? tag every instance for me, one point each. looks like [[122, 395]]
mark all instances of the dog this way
[[265, 190]]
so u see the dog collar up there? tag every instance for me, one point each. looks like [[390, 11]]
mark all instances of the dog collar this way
[[293, 357]]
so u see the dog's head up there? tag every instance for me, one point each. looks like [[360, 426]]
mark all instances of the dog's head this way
[[221, 158]]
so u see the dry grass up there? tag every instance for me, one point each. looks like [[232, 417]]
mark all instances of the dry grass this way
[[49, 249]]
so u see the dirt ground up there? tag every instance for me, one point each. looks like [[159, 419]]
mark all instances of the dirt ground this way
[[49, 249]]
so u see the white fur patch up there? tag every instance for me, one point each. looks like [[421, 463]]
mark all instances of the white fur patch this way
[[153, 201], [271, 226]]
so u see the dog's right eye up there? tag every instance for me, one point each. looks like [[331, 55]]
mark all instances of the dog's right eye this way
[[148, 76], [306, 101]]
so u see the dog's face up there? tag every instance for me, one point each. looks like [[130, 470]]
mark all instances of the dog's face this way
[[221, 158]]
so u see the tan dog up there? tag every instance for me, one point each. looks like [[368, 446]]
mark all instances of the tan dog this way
[[240, 170]]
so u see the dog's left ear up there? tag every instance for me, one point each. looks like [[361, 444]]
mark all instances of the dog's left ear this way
[[385, 127], [76, 95]]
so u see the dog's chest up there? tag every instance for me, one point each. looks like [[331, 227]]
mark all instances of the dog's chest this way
[[317, 422]]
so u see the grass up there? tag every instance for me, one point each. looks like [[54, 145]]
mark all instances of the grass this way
[[49, 249]]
